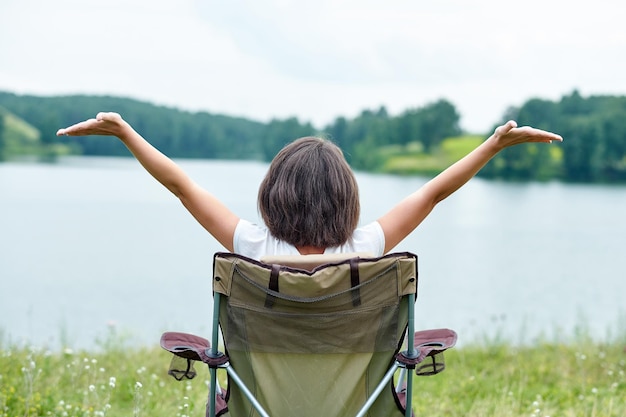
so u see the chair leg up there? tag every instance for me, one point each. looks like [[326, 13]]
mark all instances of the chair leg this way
[[409, 394], [237, 380], [212, 392], [379, 388], [401, 381]]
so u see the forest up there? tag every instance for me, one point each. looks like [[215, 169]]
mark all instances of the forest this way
[[594, 129]]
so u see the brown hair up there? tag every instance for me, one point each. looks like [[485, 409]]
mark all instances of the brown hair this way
[[309, 196]]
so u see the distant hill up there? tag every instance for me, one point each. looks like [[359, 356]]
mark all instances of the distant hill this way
[[177, 133], [19, 137], [18, 131], [421, 140], [185, 134]]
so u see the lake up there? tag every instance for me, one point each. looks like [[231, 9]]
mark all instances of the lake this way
[[94, 246]]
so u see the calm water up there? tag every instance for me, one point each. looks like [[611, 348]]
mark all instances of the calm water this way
[[90, 246]]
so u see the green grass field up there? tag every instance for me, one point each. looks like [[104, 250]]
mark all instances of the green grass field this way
[[411, 160], [22, 139], [581, 378]]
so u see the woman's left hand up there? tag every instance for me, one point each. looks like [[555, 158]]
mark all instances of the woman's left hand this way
[[509, 134]]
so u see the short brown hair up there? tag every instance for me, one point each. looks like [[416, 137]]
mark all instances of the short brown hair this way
[[309, 196]]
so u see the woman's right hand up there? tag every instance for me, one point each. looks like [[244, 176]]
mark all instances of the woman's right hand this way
[[105, 124], [211, 213]]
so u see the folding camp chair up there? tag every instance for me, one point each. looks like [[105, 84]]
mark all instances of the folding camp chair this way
[[313, 336]]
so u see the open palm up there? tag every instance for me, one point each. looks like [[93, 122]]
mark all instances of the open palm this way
[[509, 134], [106, 124]]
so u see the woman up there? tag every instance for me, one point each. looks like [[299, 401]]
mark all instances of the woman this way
[[309, 198]]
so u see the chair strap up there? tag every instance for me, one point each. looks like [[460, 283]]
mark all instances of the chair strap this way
[[273, 286], [355, 281]]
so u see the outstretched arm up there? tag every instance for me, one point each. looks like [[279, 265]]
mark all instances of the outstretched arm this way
[[410, 212], [214, 216]]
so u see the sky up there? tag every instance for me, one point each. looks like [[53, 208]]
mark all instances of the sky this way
[[316, 60]]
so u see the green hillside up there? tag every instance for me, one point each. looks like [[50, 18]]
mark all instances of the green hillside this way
[[20, 138], [412, 160]]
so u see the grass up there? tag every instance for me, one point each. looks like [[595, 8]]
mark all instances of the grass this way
[[582, 378], [486, 377], [19, 136], [22, 139], [110, 383], [412, 160]]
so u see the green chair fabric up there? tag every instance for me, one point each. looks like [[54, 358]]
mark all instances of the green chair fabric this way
[[310, 336]]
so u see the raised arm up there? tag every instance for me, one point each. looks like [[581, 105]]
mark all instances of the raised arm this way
[[211, 213], [410, 212]]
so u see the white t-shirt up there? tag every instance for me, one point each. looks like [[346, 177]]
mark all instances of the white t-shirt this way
[[254, 241]]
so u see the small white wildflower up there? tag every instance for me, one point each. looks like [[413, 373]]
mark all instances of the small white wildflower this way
[[594, 390], [535, 404], [107, 406], [68, 351], [33, 365], [92, 388], [138, 385], [94, 361], [112, 382], [87, 367], [102, 370]]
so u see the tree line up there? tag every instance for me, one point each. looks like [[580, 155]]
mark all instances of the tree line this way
[[594, 128], [594, 147]]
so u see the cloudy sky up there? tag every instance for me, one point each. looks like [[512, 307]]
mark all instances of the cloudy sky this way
[[316, 59]]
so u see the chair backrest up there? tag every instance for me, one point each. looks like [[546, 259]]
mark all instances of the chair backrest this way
[[314, 340]]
